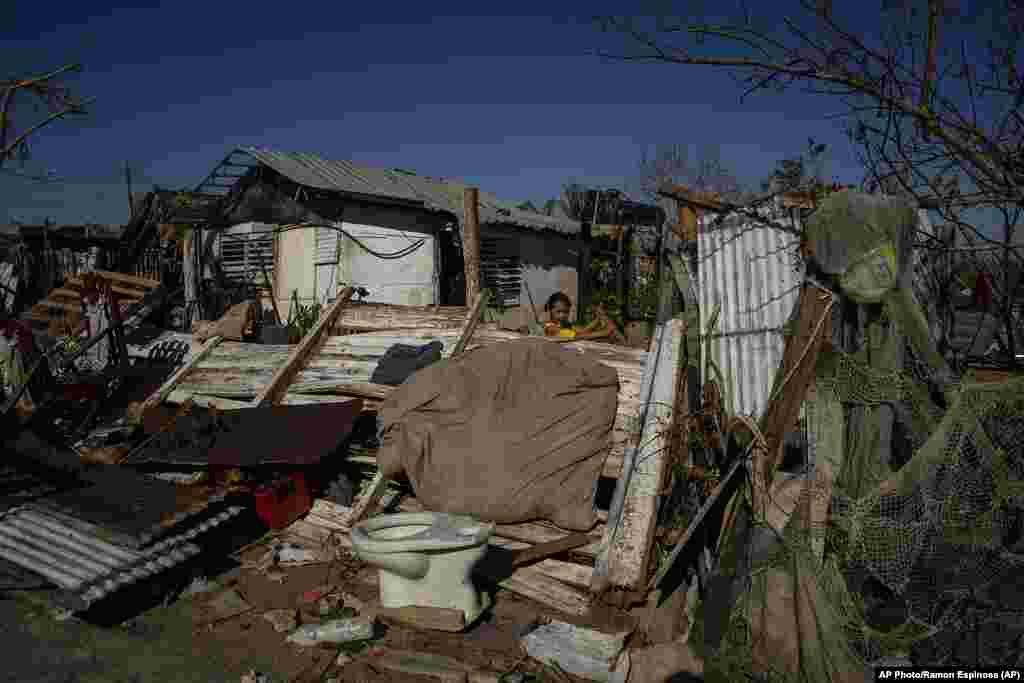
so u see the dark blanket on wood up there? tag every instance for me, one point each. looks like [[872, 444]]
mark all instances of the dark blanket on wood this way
[[401, 360], [506, 433]]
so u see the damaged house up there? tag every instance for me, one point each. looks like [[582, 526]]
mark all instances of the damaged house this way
[[389, 231]]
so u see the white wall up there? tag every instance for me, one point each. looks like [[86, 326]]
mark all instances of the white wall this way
[[410, 280]]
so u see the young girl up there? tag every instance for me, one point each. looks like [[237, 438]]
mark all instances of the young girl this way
[[603, 327], [558, 308]]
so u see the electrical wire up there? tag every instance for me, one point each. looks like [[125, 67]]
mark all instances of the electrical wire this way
[[401, 253]]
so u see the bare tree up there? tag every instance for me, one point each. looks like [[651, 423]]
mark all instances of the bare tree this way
[[45, 97], [931, 95], [672, 164]]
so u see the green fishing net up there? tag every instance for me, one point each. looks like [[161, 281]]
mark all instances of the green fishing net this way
[[934, 535]]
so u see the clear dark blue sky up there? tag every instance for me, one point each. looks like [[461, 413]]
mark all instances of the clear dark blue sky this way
[[517, 105]]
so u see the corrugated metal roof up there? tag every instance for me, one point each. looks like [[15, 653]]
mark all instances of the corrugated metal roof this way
[[434, 194], [750, 273], [79, 559]]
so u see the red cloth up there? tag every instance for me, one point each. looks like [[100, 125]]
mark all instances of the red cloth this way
[[19, 332], [983, 291]]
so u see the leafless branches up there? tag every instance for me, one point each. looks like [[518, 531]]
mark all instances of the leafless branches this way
[[910, 101], [46, 92], [931, 92], [673, 164]]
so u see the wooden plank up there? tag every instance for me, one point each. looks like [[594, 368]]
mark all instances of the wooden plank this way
[[468, 327], [629, 557], [378, 392], [545, 550], [569, 573], [278, 385], [535, 585], [129, 294], [158, 396], [144, 282], [631, 523], [432, 618], [799, 359], [601, 560]]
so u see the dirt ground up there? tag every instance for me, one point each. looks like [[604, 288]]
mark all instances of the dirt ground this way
[[184, 642]]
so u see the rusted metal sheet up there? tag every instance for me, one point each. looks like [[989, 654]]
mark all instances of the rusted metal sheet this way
[[84, 564], [751, 273], [133, 509]]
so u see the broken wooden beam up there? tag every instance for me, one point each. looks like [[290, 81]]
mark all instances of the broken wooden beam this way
[[632, 519], [796, 372], [158, 396], [472, 319], [551, 548], [278, 385], [143, 282], [432, 618]]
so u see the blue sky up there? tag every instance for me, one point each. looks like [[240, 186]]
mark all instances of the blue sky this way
[[517, 105]]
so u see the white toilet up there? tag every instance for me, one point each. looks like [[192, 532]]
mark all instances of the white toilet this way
[[425, 558]]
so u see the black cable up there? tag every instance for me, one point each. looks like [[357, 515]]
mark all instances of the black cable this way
[[401, 253]]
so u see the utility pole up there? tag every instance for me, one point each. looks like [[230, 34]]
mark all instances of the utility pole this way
[[128, 182]]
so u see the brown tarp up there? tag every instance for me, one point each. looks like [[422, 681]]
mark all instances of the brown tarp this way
[[506, 433]]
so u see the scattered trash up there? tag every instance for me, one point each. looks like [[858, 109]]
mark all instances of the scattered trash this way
[[199, 586], [446, 669], [61, 614], [341, 491], [334, 631], [292, 553], [255, 677], [330, 604], [283, 620], [580, 651], [182, 478]]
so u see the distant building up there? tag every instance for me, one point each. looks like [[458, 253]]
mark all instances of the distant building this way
[[391, 231]]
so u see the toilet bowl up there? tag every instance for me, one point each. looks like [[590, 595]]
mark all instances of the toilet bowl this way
[[425, 559]]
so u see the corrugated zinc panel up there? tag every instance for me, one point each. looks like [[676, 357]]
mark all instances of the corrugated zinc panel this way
[[750, 272], [434, 194]]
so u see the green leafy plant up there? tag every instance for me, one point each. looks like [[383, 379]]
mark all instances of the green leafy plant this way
[[302, 317]]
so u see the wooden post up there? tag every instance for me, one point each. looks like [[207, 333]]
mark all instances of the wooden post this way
[[585, 283], [469, 326], [188, 275], [278, 386], [620, 268], [471, 243]]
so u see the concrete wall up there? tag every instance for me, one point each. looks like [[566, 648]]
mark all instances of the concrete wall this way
[[549, 264], [411, 280]]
